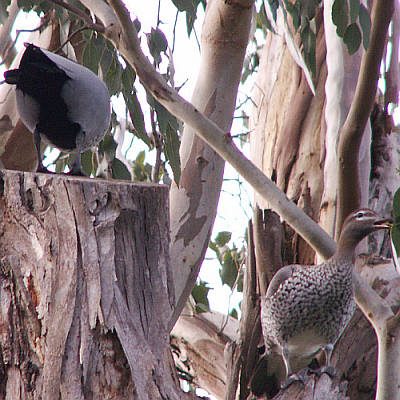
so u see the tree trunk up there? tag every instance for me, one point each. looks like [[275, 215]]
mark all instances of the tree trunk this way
[[85, 289]]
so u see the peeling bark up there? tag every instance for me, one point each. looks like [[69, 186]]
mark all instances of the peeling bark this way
[[194, 203], [199, 345], [287, 129]]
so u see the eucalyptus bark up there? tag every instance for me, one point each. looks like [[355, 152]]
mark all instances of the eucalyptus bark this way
[[85, 287], [194, 202]]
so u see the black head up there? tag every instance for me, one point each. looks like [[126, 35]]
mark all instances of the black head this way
[[36, 71], [360, 224], [34, 55]]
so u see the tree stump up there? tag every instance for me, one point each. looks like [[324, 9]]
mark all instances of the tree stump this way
[[85, 289]]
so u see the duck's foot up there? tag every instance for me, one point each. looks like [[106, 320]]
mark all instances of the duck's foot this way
[[297, 377], [42, 169], [76, 171], [327, 369]]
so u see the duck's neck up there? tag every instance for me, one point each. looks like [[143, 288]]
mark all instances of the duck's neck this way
[[346, 249]]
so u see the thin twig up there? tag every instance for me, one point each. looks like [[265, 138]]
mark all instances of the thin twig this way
[[174, 32], [43, 24], [73, 34], [158, 145], [85, 17]]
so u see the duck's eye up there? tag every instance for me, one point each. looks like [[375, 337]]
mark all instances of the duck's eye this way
[[360, 214]]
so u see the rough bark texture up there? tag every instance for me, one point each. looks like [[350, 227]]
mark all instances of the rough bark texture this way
[[85, 289]]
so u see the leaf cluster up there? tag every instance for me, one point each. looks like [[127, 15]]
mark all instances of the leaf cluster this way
[[230, 259], [190, 8], [351, 17]]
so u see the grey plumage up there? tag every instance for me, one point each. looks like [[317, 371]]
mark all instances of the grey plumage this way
[[307, 308]]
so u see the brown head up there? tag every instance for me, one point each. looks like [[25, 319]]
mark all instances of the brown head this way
[[357, 226]]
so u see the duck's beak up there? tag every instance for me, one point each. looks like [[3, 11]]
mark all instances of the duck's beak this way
[[384, 223]]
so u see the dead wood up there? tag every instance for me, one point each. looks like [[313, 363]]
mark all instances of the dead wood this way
[[85, 289]]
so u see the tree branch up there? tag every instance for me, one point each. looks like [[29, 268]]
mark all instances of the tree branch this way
[[216, 138], [353, 128], [222, 143], [78, 12]]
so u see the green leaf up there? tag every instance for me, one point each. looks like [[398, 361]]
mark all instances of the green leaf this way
[[263, 19], [183, 5], [113, 76], [128, 77], [172, 144], [230, 267], [354, 10], [91, 56], [295, 14], [395, 243], [137, 117], [200, 296], [223, 238], [395, 231], [119, 170], [87, 163], [164, 117], [106, 59], [396, 205], [308, 8], [137, 24], [274, 5], [141, 170], [133, 105], [365, 23], [352, 38], [309, 39], [340, 16], [157, 43], [108, 145], [34, 5], [234, 313]]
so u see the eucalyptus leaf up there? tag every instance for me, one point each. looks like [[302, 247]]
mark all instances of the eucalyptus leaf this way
[[119, 170], [141, 170], [113, 76], [137, 117], [309, 39], [108, 146], [200, 296], [340, 16], [223, 238], [263, 19], [274, 5], [352, 38], [87, 163], [230, 267], [395, 231], [157, 44], [395, 244], [365, 23], [354, 6], [172, 144], [91, 57]]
